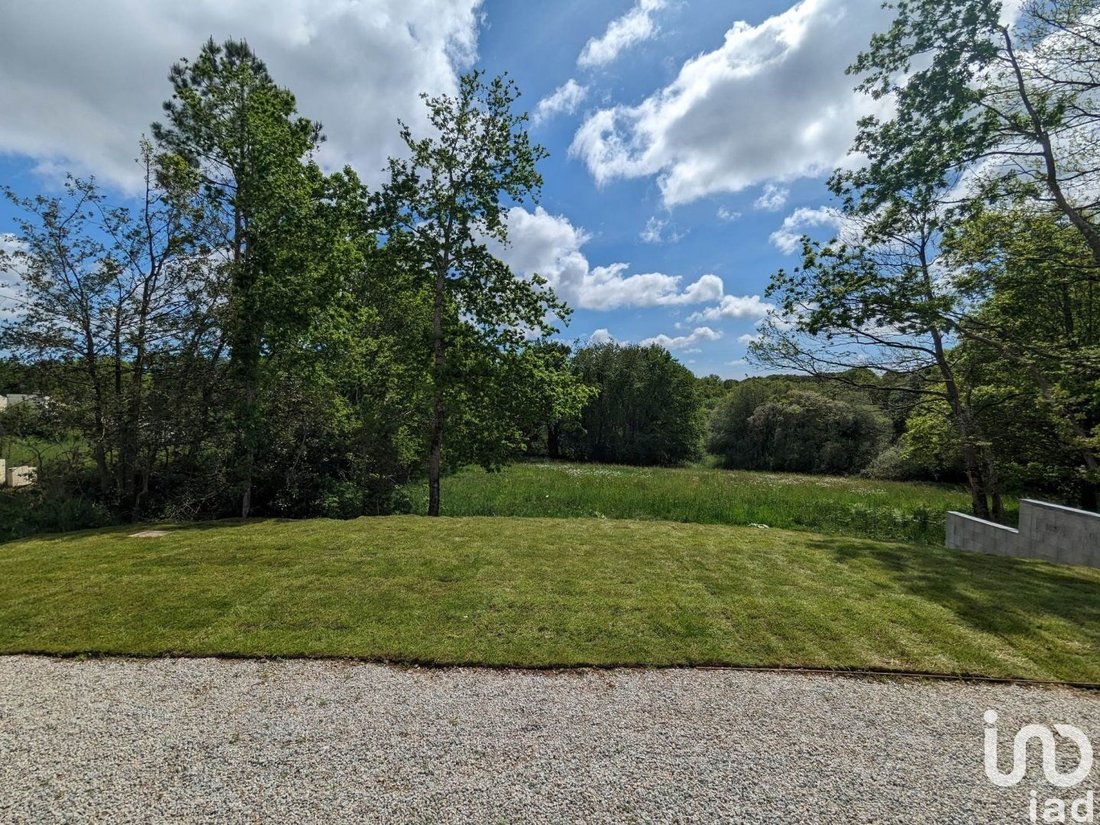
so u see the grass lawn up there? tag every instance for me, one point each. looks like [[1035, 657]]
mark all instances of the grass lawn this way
[[542, 592], [34, 451], [824, 504]]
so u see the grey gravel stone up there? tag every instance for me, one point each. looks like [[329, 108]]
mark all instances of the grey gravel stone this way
[[205, 740]]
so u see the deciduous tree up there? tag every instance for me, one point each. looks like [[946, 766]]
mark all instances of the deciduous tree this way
[[443, 204]]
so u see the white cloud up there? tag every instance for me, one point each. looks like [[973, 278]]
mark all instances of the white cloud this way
[[788, 237], [771, 104], [564, 100], [772, 198], [601, 336], [83, 81], [623, 32], [747, 339], [698, 335], [550, 246], [734, 306], [11, 282], [728, 215], [654, 232]]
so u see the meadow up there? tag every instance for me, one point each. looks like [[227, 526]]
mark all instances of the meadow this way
[[898, 511], [548, 593]]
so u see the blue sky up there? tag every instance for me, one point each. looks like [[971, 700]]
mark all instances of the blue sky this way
[[689, 141]]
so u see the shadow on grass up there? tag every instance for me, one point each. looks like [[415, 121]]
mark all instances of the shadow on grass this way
[[126, 530], [991, 594]]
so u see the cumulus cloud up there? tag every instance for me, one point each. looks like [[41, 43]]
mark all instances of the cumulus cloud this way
[[734, 307], [771, 103], [601, 336], [83, 81], [550, 246], [564, 100], [788, 237], [748, 338], [623, 32], [683, 342], [728, 215], [772, 198]]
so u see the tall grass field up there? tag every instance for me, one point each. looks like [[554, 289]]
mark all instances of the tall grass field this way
[[824, 504]]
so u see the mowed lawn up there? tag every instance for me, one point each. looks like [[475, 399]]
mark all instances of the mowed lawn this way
[[891, 510], [548, 592]]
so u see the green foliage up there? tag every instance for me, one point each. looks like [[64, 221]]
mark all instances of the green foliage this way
[[729, 433], [966, 88], [1032, 345], [260, 336], [895, 463], [939, 242], [116, 302], [711, 390], [441, 209], [292, 231], [29, 511], [797, 431], [646, 409]]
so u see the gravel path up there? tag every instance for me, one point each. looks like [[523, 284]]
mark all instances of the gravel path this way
[[248, 741]]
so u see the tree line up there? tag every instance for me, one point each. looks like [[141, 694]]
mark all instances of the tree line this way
[[259, 336]]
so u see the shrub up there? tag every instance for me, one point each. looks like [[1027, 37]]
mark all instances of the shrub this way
[[798, 431]]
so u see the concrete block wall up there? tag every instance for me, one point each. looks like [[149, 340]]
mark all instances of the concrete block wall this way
[[1047, 531], [21, 476], [980, 536], [1061, 534]]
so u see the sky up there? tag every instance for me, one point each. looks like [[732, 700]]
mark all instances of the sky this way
[[689, 140]]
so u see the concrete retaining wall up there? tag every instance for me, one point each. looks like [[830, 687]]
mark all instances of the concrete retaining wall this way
[[21, 476], [980, 536], [1062, 534], [1047, 531]]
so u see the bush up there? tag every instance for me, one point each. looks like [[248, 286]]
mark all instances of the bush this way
[[731, 437], [894, 464], [798, 431], [29, 511]]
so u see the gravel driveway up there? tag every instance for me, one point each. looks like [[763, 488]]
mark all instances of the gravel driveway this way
[[251, 741]]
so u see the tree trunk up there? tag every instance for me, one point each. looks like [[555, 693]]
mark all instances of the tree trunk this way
[[979, 505], [975, 478], [249, 449], [1089, 498], [439, 412], [553, 441], [245, 351]]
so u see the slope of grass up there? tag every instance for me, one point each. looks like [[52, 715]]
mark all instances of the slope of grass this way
[[543, 592], [824, 504]]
